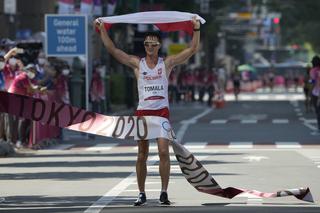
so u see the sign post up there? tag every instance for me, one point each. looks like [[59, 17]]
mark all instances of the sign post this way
[[67, 36]]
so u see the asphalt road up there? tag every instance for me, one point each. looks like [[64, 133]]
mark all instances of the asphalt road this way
[[263, 145]]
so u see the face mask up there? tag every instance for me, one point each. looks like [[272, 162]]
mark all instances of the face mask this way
[[41, 61], [31, 75], [65, 72], [2, 64], [102, 71], [12, 61]]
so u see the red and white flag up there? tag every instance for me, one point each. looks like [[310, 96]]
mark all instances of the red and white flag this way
[[166, 21]]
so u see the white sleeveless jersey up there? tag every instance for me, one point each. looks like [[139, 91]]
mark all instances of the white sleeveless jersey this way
[[152, 86]]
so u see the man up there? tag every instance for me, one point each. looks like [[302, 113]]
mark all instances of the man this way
[[152, 74], [315, 78]]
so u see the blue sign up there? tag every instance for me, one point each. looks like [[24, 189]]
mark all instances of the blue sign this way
[[66, 35]]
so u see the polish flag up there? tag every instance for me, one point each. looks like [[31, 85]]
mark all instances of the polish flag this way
[[166, 21], [66, 6]]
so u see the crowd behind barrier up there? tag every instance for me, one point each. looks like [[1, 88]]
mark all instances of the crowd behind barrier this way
[[29, 72]]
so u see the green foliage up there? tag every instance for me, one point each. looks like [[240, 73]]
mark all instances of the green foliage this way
[[118, 88], [300, 21]]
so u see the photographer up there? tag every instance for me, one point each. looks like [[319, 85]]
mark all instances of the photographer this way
[[23, 84]]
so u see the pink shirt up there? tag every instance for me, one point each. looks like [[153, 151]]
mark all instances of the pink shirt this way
[[315, 76], [20, 85], [8, 75], [97, 88], [62, 90]]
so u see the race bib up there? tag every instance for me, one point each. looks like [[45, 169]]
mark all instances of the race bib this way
[[153, 91]]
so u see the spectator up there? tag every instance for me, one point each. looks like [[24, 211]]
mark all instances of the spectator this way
[[222, 75], [22, 85], [315, 78], [210, 86], [97, 91], [2, 115], [236, 79], [173, 86], [307, 87], [62, 88]]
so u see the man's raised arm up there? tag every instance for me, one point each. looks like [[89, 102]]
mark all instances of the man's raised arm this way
[[181, 57], [121, 56]]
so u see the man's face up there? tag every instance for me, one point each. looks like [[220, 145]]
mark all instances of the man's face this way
[[151, 45]]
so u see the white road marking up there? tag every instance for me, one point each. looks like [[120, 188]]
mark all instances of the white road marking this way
[[151, 147], [218, 121], [280, 121], [152, 183], [280, 97], [246, 97], [310, 126], [255, 158], [195, 145], [137, 190], [107, 198], [266, 97], [314, 121], [288, 145], [263, 97], [153, 168], [249, 121], [101, 147], [192, 120], [61, 147], [251, 199], [240, 145]]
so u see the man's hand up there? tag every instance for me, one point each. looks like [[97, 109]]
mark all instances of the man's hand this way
[[12, 52], [99, 24], [195, 22]]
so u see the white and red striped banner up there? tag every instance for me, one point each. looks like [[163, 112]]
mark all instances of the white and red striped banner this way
[[166, 21], [138, 128]]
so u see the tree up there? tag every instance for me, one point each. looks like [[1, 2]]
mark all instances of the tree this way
[[299, 21]]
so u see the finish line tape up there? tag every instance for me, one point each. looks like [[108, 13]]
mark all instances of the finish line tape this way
[[126, 127]]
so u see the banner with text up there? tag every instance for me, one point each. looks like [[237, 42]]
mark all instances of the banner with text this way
[[66, 35]]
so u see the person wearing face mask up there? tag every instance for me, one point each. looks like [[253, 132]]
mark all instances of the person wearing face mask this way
[[97, 94], [42, 61], [10, 71], [23, 84], [11, 68], [61, 85]]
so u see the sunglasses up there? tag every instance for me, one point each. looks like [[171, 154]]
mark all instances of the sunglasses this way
[[148, 44]]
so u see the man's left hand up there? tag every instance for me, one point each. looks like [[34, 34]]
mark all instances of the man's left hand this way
[[195, 22]]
